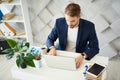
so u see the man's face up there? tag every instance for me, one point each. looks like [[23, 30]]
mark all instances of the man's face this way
[[72, 21]]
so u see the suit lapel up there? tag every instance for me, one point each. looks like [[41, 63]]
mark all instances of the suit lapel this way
[[79, 34], [65, 38]]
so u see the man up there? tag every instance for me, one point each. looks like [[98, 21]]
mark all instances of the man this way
[[74, 34]]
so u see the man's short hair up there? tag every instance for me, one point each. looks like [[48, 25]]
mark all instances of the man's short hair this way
[[73, 9]]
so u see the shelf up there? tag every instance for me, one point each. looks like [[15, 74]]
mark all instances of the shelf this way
[[14, 2], [17, 38], [21, 36], [13, 36], [15, 19]]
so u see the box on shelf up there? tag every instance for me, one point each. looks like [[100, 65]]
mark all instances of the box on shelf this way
[[8, 16]]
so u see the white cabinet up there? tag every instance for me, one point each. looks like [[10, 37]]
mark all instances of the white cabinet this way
[[14, 20]]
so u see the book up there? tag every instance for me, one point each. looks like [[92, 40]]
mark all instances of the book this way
[[7, 30], [1, 34], [8, 1]]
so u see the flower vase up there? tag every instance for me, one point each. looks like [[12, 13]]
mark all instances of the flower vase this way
[[38, 63]]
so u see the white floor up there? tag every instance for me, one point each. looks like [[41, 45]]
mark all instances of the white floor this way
[[5, 66], [114, 68]]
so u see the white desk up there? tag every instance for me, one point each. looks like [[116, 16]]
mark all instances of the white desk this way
[[46, 73]]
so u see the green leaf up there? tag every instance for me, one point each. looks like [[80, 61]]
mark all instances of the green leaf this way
[[12, 43], [30, 56], [29, 62], [18, 47], [29, 59], [10, 55], [8, 50], [27, 44], [23, 42], [24, 49], [20, 60]]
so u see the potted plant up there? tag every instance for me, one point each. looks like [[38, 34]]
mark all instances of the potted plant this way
[[37, 54], [20, 49]]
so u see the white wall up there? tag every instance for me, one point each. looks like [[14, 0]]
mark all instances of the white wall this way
[[104, 13]]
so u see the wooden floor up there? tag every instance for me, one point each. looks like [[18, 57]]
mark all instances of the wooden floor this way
[[5, 68]]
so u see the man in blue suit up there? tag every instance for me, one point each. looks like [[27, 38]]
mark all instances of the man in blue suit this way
[[74, 34]]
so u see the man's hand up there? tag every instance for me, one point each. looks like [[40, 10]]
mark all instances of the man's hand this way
[[79, 60], [52, 51]]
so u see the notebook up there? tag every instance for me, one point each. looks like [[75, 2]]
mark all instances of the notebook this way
[[63, 60]]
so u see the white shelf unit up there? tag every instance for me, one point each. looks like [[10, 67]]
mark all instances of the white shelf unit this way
[[27, 21], [20, 22]]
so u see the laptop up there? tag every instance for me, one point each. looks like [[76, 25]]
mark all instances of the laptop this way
[[63, 60]]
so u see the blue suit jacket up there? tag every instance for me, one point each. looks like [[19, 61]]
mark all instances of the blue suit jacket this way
[[86, 38]]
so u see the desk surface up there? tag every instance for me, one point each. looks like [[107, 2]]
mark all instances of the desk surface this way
[[46, 73]]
